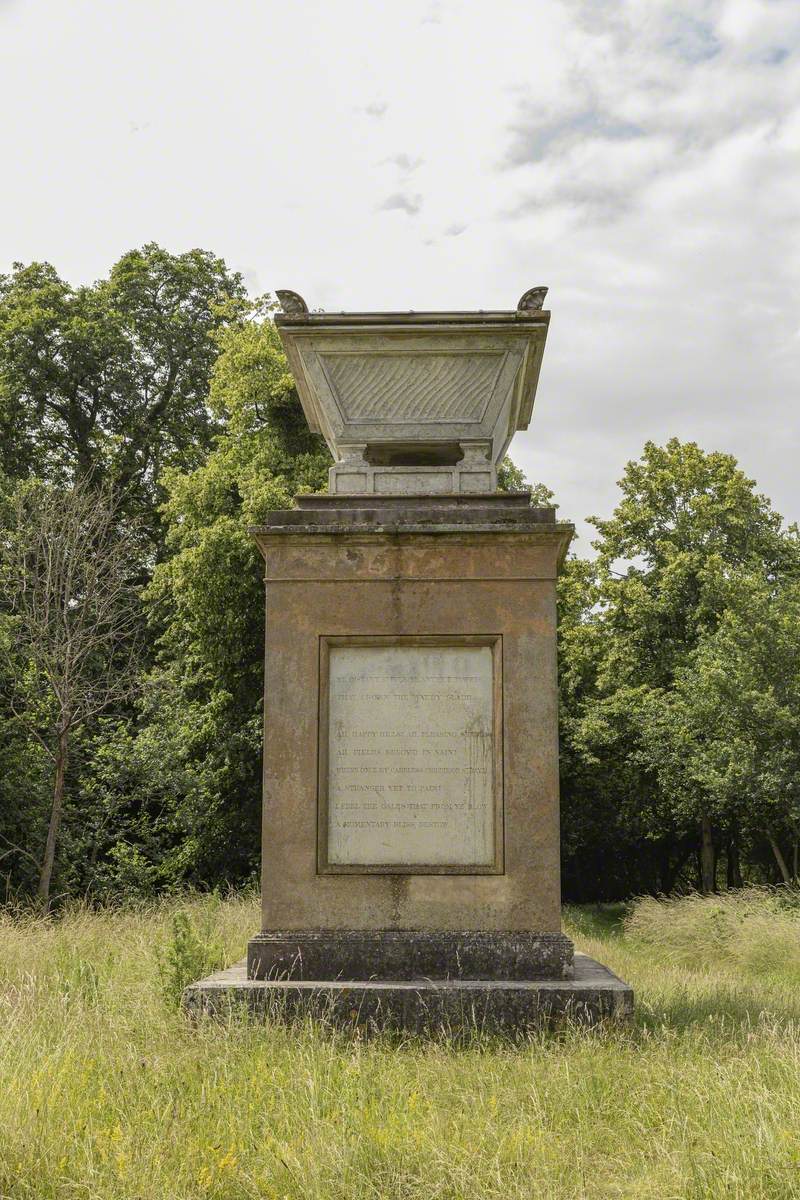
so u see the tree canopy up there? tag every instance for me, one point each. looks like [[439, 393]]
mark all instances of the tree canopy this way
[[162, 392], [111, 381], [642, 623]]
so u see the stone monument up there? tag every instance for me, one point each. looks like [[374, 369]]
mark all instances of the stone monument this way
[[410, 825]]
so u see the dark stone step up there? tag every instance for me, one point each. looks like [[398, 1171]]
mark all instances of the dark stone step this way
[[408, 954]]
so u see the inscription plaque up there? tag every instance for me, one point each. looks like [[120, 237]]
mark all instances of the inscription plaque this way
[[410, 778]]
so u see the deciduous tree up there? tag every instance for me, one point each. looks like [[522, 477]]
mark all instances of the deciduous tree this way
[[69, 644], [110, 381], [687, 522]]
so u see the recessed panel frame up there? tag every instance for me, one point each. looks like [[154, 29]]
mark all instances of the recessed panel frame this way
[[327, 859]]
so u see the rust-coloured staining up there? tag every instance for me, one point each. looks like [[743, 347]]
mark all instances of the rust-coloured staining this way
[[489, 582]]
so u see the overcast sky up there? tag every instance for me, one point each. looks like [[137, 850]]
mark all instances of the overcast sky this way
[[641, 159]]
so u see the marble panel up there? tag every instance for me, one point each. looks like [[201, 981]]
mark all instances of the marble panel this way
[[411, 771]]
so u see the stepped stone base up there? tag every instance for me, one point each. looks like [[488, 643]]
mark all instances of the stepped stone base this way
[[397, 954], [420, 1005]]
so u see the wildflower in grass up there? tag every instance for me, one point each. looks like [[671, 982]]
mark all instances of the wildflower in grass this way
[[228, 1161]]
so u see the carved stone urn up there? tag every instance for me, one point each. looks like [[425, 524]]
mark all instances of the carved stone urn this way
[[415, 403]]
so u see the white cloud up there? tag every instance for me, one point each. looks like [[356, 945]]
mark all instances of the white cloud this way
[[403, 202], [405, 163]]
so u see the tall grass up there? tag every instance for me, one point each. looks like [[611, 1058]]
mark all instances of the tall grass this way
[[107, 1091], [756, 931]]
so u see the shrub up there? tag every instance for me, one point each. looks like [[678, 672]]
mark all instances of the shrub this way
[[193, 950]]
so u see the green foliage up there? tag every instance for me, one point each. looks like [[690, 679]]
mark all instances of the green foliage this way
[[207, 603], [640, 630], [679, 667], [686, 519], [127, 872], [25, 787], [193, 950], [511, 478], [67, 577], [168, 790], [737, 709], [112, 380]]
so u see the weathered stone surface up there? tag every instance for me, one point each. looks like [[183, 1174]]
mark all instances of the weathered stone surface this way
[[410, 853], [409, 954], [415, 403], [439, 513], [424, 1006], [412, 774], [352, 477], [427, 571]]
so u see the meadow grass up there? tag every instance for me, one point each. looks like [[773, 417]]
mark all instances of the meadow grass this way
[[106, 1090]]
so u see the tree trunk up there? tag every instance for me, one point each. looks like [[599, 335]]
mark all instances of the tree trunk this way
[[706, 857], [670, 869], [795, 849], [55, 819], [666, 875], [734, 863], [779, 859]]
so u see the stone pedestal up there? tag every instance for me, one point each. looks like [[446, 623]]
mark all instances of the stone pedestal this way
[[411, 827], [410, 842], [410, 754]]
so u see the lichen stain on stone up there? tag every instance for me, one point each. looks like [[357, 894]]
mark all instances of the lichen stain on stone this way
[[398, 889]]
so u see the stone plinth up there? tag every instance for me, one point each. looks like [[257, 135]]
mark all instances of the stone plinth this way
[[363, 954], [425, 1006], [444, 610], [410, 839]]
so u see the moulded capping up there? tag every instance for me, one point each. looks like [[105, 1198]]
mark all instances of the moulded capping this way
[[498, 500], [374, 510], [358, 320]]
